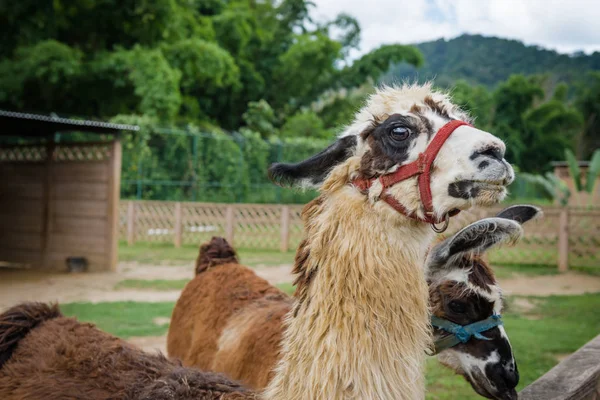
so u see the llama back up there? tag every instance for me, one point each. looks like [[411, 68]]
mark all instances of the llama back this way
[[18, 321], [63, 358], [224, 297]]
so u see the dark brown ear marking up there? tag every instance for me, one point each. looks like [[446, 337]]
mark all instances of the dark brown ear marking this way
[[437, 107], [312, 171], [520, 213]]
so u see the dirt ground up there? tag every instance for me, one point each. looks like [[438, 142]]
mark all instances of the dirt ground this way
[[23, 285]]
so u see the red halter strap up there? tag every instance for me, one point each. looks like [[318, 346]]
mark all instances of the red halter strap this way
[[421, 167]]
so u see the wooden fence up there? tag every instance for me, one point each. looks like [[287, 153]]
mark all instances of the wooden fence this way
[[563, 236], [575, 378]]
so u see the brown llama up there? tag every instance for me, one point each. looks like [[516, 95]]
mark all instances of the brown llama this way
[[244, 344], [44, 355], [360, 325]]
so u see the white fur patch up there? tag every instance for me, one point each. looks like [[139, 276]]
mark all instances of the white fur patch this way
[[461, 275]]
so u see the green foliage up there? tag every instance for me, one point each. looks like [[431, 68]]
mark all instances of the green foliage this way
[[43, 73], [305, 70], [374, 64], [182, 61], [337, 108], [574, 169], [593, 172], [304, 124], [259, 117], [234, 28], [475, 99], [535, 133], [487, 61], [144, 80], [203, 65], [588, 103], [534, 186]]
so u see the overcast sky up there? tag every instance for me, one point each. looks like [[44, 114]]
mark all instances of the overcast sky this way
[[563, 25]]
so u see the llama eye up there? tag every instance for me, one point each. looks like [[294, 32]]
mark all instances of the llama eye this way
[[457, 307], [400, 133]]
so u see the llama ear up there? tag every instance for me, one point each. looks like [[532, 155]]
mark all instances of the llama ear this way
[[312, 171], [520, 213], [475, 239]]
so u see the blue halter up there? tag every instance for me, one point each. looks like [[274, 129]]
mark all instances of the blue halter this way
[[460, 333]]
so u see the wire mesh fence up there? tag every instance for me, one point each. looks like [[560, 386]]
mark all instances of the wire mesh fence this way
[[187, 165]]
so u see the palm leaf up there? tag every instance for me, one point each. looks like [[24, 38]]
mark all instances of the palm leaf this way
[[593, 172], [574, 169], [556, 183]]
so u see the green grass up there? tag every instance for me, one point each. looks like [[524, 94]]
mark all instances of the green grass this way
[[123, 319], [504, 271], [288, 288], [562, 325], [166, 253], [158, 284]]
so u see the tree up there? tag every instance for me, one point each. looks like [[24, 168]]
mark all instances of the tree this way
[[305, 123], [535, 134], [588, 103], [475, 99]]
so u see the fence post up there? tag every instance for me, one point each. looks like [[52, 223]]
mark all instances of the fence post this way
[[563, 240], [178, 224], [229, 224], [285, 229], [130, 222]]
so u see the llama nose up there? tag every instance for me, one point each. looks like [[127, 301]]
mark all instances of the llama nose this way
[[511, 375], [491, 151]]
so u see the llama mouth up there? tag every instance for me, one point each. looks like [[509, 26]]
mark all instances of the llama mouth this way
[[470, 189]]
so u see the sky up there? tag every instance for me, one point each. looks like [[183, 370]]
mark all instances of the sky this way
[[562, 25]]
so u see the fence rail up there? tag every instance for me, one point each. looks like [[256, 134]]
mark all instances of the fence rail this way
[[575, 378], [563, 236]]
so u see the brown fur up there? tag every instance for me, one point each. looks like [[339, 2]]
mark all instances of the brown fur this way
[[210, 301], [17, 322], [215, 252], [61, 358]]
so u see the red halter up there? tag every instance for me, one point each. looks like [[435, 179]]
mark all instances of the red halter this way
[[422, 168]]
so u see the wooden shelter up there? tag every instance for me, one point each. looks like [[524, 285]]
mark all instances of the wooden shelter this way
[[59, 191]]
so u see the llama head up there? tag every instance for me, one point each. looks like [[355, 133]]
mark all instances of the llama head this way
[[396, 127], [463, 291]]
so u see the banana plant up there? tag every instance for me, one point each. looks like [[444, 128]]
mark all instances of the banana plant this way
[[577, 176]]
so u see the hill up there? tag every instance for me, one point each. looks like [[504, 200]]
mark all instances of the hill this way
[[490, 60]]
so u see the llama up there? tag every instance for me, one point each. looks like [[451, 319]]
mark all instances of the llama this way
[[44, 355], [244, 343], [360, 326]]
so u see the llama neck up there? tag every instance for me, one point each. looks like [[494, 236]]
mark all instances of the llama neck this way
[[360, 329]]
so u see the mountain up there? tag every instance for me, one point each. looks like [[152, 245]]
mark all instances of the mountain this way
[[490, 60]]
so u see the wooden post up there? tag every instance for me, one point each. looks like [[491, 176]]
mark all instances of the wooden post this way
[[563, 240], [229, 224], [130, 222], [114, 195], [285, 229], [178, 224]]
